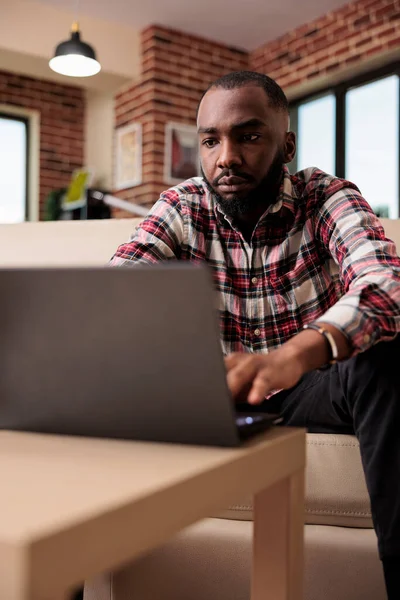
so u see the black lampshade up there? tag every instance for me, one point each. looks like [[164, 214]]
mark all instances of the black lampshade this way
[[74, 57]]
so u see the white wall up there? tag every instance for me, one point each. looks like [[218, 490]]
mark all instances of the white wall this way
[[30, 31], [99, 128]]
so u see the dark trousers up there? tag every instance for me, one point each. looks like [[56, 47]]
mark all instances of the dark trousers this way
[[360, 396]]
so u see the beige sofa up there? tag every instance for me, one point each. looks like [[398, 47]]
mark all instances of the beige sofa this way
[[211, 560]]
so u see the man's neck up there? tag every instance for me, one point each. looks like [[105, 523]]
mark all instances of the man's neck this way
[[247, 222]]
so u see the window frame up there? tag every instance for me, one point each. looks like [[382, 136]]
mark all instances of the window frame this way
[[33, 116], [25, 121], [339, 90]]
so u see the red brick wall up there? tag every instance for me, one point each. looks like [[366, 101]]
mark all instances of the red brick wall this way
[[62, 109], [346, 37], [176, 69]]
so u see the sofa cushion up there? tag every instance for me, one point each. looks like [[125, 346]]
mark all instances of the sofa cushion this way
[[212, 560], [336, 493]]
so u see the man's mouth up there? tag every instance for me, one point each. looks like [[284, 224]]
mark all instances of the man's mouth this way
[[232, 184]]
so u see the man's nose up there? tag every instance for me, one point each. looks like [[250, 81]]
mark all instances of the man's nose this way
[[229, 155]]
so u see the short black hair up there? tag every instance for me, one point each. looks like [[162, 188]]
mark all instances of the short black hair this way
[[238, 79]]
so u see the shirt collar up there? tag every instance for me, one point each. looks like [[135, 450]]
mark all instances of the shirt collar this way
[[285, 195]]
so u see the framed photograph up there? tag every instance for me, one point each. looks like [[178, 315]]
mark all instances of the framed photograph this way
[[181, 159], [128, 156]]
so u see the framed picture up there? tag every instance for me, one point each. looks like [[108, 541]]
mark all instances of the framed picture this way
[[128, 156], [181, 159]]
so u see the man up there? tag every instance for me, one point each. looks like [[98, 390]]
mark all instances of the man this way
[[306, 278]]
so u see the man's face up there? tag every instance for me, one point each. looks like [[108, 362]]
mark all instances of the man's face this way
[[243, 146]]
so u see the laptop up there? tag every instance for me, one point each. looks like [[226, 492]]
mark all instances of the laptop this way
[[119, 353]]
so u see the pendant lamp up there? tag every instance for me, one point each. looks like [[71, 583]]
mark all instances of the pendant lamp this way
[[75, 58]]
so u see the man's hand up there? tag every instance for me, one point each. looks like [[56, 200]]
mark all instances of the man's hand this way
[[256, 375]]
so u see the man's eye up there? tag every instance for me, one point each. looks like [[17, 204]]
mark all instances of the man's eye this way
[[251, 137], [209, 143]]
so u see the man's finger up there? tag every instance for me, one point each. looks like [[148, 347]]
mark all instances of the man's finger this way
[[233, 359], [242, 374], [262, 385]]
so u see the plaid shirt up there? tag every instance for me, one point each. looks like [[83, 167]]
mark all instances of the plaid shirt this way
[[318, 253]]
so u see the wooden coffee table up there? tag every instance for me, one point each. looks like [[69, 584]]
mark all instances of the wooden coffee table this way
[[72, 508]]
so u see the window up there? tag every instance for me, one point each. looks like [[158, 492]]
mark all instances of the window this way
[[353, 131], [372, 143], [14, 168], [314, 148]]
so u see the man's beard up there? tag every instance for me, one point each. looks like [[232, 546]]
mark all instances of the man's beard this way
[[258, 199]]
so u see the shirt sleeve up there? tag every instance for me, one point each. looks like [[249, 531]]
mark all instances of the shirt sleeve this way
[[369, 270], [159, 237]]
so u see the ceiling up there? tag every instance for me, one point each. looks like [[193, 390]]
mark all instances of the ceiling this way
[[245, 24]]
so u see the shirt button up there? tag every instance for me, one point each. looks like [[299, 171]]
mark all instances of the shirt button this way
[[367, 338], [257, 332], [254, 280]]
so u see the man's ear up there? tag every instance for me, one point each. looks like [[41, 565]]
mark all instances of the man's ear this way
[[290, 146]]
